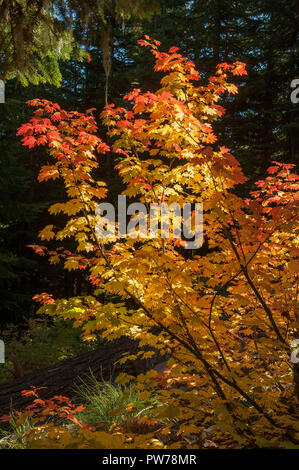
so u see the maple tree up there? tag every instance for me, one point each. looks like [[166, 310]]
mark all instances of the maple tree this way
[[226, 318]]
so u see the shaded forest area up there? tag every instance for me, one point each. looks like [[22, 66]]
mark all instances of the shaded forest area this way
[[261, 123]]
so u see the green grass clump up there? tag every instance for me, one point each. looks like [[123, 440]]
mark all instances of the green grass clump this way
[[106, 403], [12, 433]]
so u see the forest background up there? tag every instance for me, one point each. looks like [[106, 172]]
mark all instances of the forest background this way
[[82, 54]]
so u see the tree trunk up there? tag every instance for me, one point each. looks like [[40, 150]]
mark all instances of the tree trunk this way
[[61, 378]]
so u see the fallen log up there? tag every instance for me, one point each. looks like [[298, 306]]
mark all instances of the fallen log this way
[[61, 378]]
